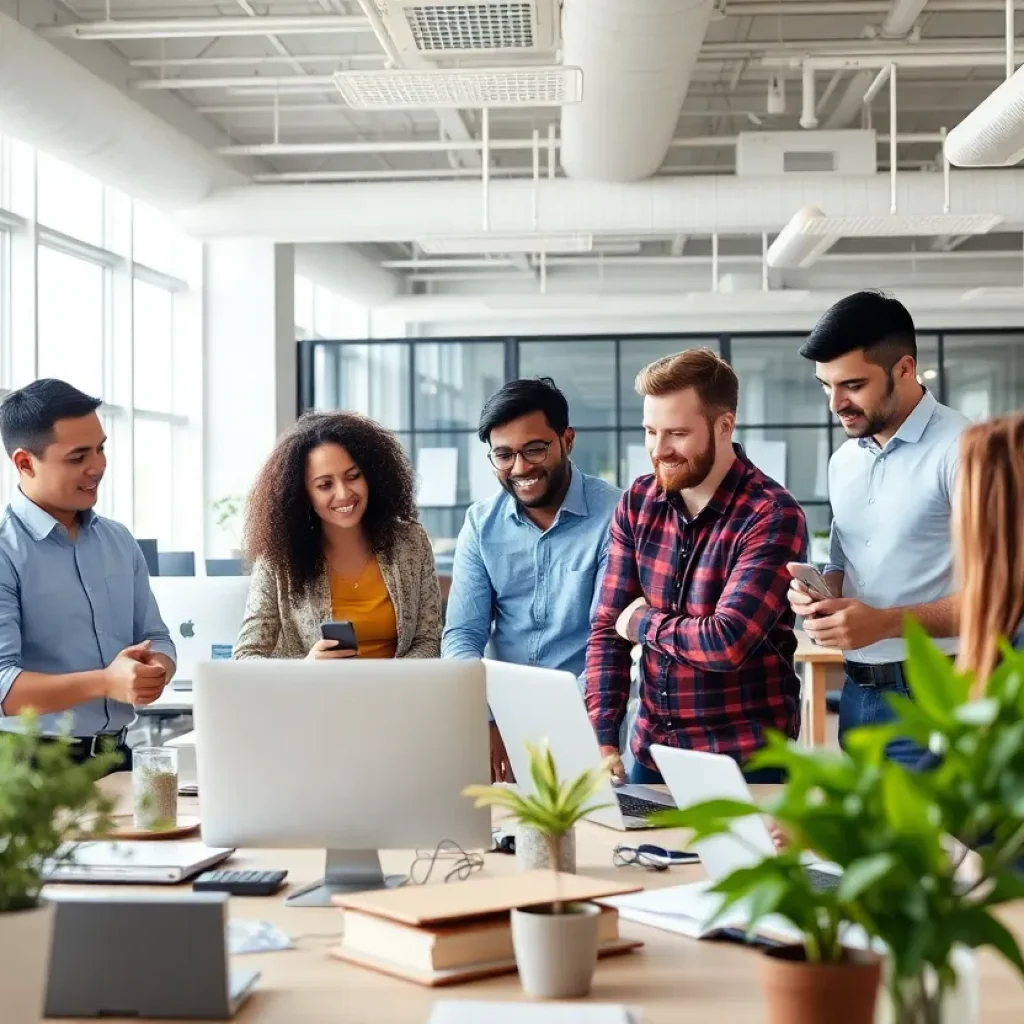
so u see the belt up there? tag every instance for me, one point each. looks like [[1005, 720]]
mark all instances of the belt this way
[[889, 674], [90, 746]]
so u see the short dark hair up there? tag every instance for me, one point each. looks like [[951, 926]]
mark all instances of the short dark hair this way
[[520, 398], [879, 324], [28, 415]]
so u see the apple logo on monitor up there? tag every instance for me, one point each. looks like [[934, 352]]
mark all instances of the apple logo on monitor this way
[[188, 629]]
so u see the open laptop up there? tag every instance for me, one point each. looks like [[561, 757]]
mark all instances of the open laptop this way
[[147, 955], [694, 776], [138, 863], [204, 615], [533, 704]]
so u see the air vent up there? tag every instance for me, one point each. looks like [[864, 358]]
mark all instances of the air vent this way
[[440, 28], [904, 226], [466, 88], [497, 244], [437, 29], [796, 162], [776, 154]]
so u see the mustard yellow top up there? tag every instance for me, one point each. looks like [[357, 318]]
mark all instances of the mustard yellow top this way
[[366, 603]]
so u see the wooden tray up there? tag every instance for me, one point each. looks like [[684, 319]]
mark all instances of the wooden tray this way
[[123, 827]]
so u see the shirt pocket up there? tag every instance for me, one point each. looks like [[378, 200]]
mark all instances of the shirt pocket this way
[[512, 570], [120, 587]]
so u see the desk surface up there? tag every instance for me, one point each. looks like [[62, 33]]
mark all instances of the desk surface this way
[[674, 980]]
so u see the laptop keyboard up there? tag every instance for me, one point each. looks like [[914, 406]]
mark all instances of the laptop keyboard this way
[[823, 881], [636, 807]]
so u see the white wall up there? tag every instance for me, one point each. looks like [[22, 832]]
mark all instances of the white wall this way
[[250, 371]]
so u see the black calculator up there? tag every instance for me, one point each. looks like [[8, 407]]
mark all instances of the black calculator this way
[[241, 883]]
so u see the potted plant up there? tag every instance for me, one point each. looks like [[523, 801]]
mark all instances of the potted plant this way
[[887, 827], [228, 511], [555, 944], [45, 800]]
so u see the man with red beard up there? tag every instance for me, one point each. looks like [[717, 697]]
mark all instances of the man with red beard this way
[[697, 577]]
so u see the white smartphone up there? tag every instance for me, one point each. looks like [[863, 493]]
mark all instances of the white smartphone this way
[[811, 578]]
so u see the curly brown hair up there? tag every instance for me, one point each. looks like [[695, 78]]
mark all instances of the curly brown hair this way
[[282, 530]]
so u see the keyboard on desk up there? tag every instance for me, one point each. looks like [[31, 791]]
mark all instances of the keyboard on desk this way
[[637, 807], [823, 881]]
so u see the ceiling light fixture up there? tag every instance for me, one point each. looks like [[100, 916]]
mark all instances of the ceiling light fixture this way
[[991, 135], [461, 88], [203, 28], [498, 244]]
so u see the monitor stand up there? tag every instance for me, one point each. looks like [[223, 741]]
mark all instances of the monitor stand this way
[[346, 871]]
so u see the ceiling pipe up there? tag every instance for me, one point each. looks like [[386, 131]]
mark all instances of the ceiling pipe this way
[[476, 145], [208, 28]]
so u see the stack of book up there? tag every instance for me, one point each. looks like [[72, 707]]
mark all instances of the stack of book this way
[[445, 934]]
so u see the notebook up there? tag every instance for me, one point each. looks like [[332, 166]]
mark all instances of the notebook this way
[[141, 863], [445, 904], [471, 1012]]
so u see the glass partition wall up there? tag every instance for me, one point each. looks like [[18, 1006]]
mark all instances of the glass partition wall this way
[[430, 393]]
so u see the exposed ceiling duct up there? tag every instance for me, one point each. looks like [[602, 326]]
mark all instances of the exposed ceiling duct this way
[[898, 23], [726, 204], [991, 135], [637, 58], [53, 103]]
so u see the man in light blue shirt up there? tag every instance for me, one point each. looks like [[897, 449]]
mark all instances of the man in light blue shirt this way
[[528, 563], [891, 487], [81, 637]]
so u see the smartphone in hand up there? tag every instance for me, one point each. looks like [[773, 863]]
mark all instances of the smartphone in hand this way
[[811, 578], [343, 633]]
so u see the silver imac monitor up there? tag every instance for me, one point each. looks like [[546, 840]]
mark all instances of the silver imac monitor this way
[[349, 756]]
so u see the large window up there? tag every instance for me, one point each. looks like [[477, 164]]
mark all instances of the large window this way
[[102, 291], [431, 393]]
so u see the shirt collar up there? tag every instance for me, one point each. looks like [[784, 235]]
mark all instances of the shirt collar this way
[[574, 503], [720, 500], [39, 523], [913, 427]]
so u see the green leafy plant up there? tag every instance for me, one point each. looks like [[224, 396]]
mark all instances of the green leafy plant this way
[[46, 800], [888, 828], [229, 511], [554, 808]]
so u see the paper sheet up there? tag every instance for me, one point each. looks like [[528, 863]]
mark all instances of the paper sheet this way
[[438, 473], [768, 456], [452, 1012], [638, 462], [483, 484]]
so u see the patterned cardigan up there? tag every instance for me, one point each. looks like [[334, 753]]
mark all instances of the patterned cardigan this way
[[277, 625]]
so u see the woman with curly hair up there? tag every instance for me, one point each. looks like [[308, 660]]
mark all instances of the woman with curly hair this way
[[332, 533]]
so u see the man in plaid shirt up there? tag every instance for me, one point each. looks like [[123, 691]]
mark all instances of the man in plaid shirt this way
[[697, 577]]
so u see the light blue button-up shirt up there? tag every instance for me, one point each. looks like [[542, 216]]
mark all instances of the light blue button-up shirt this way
[[72, 606], [891, 518], [530, 593]]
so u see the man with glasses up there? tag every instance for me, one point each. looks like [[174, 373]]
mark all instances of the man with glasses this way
[[528, 562]]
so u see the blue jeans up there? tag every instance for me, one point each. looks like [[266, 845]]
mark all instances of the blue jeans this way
[[641, 775], [866, 705]]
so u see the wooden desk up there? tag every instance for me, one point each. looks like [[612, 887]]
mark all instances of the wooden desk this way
[[815, 661], [673, 979]]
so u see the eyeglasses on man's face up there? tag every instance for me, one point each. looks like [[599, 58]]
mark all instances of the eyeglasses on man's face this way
[[503, 459]]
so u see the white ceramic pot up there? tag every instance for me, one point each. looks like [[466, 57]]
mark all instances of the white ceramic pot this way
[[556, 953], [25, 940], [533, 854]]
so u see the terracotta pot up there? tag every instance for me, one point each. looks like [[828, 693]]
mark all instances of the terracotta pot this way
[[798, 992]]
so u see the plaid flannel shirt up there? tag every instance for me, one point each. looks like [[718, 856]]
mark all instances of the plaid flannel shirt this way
[[717, 637]]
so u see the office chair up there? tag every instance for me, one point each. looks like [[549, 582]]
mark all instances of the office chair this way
[[225, 567], [177, 563], [150, 554]]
